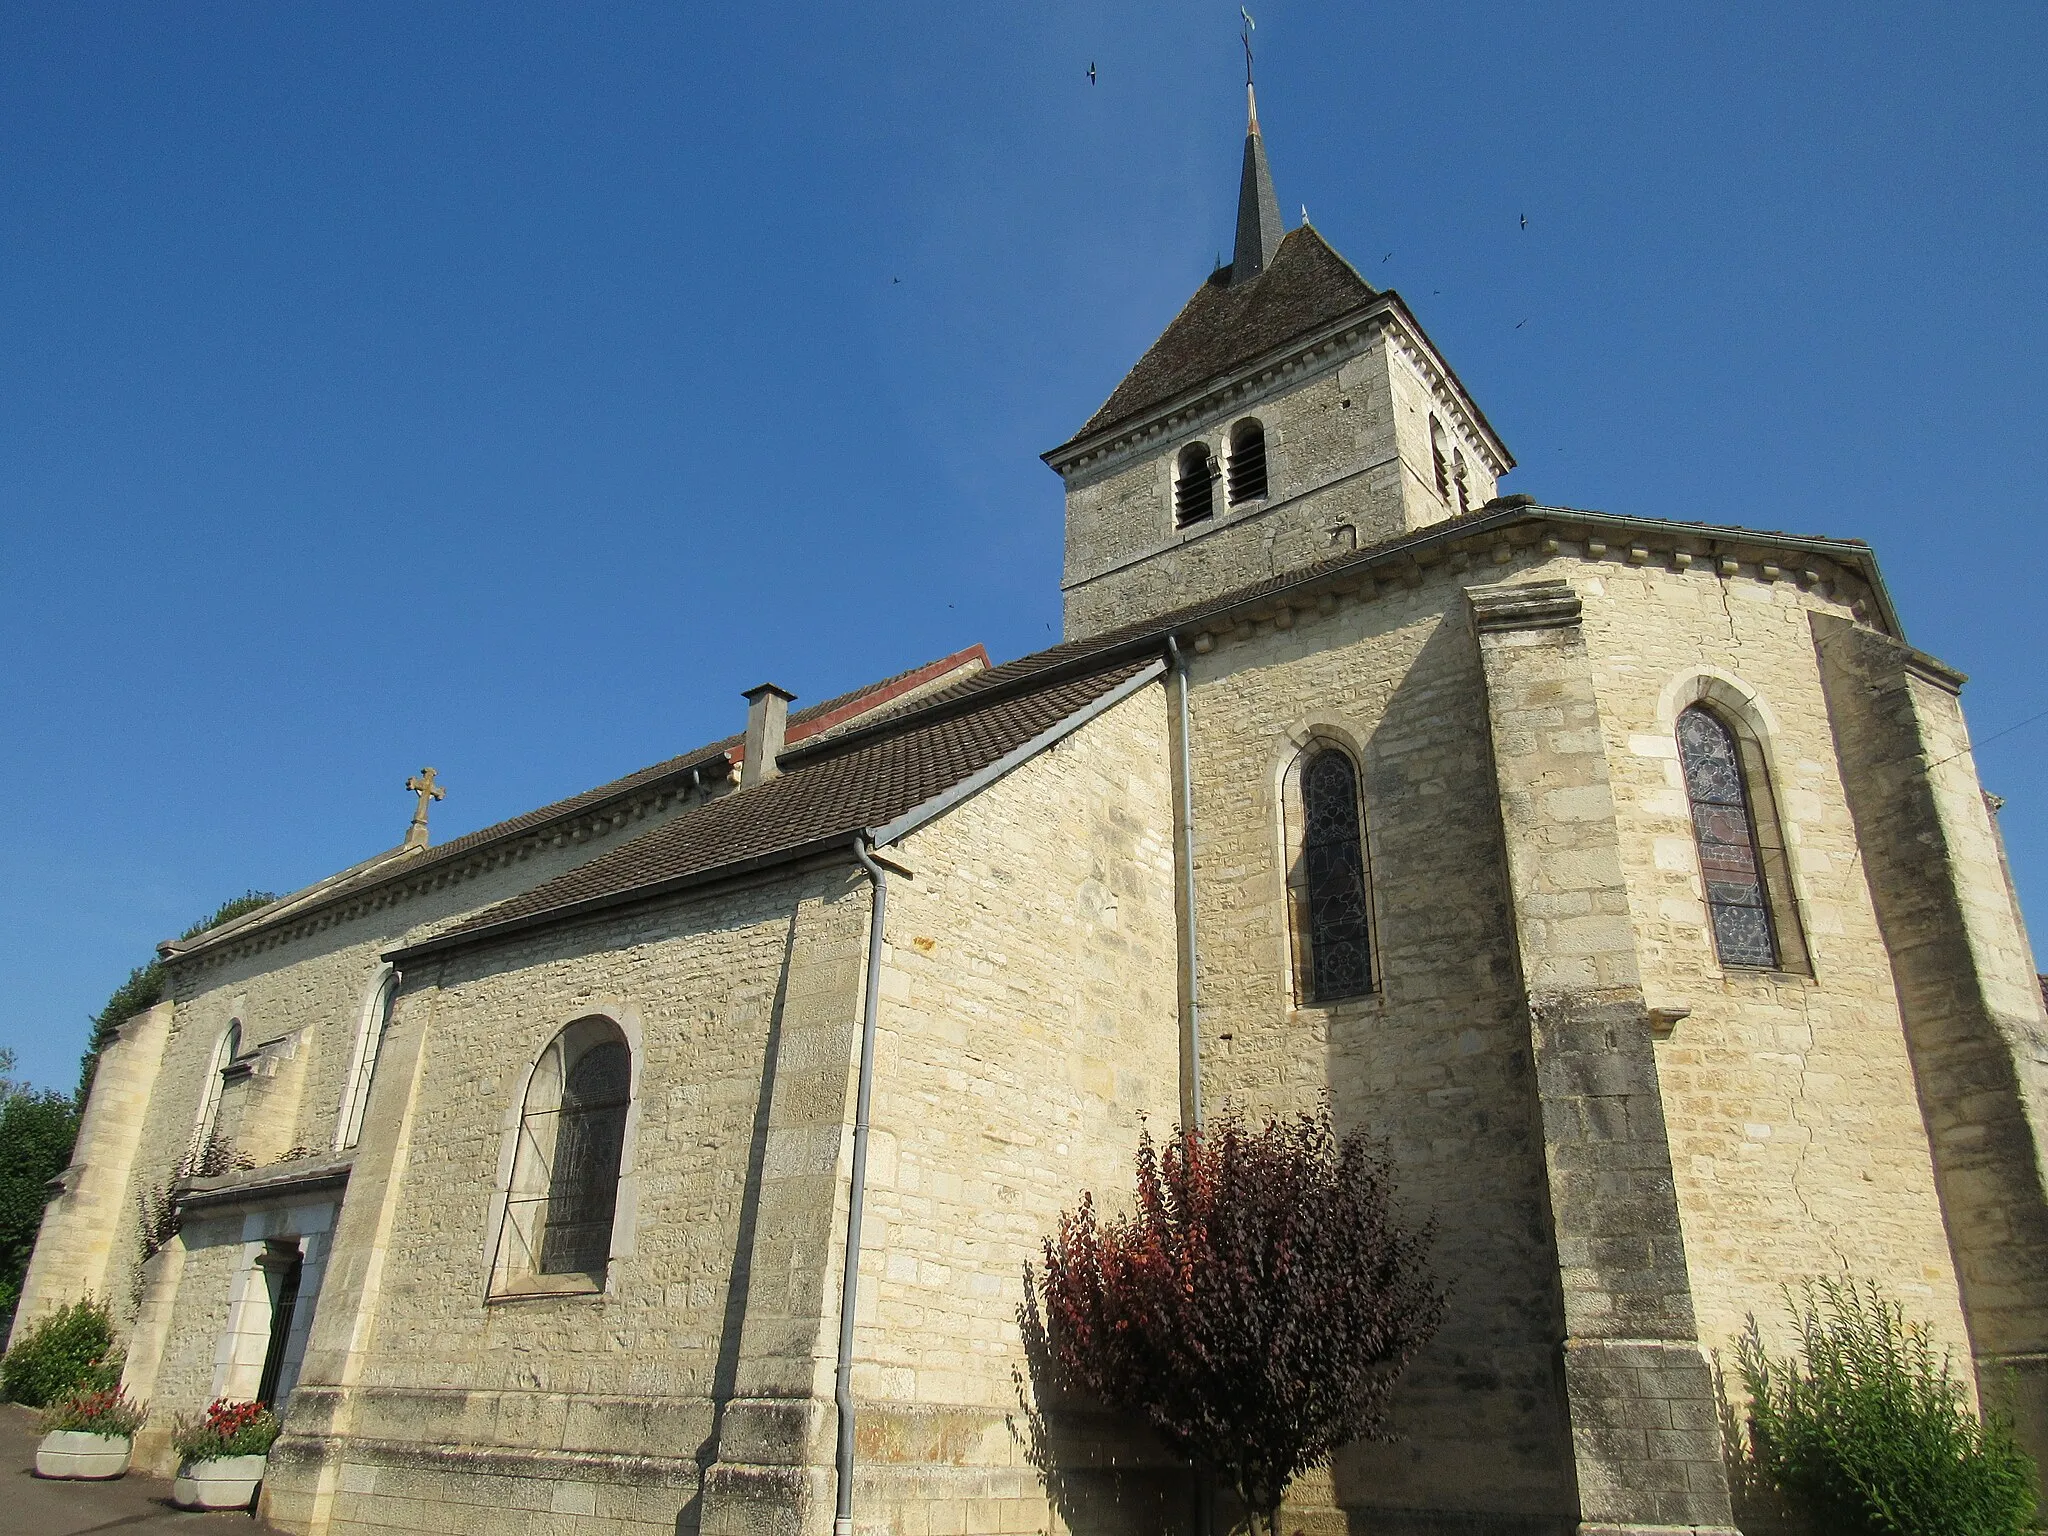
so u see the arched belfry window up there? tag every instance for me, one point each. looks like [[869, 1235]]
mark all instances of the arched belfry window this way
[[1246, 468], [1439, 458], [567, 1162], [1194, 485], [1742, 856], [1458, 476], [1328, 882]]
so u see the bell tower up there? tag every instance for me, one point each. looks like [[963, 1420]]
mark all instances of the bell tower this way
[[1289, 413]]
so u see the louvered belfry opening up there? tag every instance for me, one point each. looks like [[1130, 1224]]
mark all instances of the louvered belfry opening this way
[[1247, 467], [1194, 485]]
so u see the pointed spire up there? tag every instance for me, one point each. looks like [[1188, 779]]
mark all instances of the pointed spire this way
[[1258, 206]]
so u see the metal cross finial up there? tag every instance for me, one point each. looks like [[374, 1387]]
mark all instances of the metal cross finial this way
[[1245, 37], [423, 785]]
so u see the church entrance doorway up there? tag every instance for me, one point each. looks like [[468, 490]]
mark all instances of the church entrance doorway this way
[[282, 1271]]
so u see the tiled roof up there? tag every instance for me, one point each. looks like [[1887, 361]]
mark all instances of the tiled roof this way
[[1226, 324], [804, 724], [838, 788]]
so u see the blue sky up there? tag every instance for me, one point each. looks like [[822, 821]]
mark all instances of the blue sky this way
[[507, 387]]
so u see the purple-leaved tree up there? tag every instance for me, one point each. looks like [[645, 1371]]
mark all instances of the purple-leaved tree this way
[[1255, 1308]]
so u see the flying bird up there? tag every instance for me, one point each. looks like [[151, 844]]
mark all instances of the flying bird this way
[[1525, 221], [1386, 258], [1091, 71], [1520, 323], [895, 279]]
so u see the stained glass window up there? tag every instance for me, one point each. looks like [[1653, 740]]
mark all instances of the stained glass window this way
[[1332, 920], [1731, 864], [583, 1185]]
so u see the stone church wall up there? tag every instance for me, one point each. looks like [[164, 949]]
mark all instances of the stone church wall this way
[[1437, 1062], [1028, 1024], [1793, 1117], [1029, 1032], [516, 1403], [1797, 1142], [304, 997]]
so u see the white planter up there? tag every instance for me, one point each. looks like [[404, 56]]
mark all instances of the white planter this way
[[221, 1482], [75, 1453]]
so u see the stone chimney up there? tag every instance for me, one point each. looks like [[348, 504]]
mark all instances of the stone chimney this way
[[767, 719]]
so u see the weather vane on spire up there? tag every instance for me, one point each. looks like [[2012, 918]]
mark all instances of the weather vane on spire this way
[[1245, 37]]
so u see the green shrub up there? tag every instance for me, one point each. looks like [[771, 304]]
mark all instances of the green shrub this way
[[70, 1349], [1867, 1430], [94, 1411]]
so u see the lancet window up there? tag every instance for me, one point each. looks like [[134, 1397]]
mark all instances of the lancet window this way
[[1194, 485], [376, 1025], [1439, 459], [225, 1050], [1328, 885], [1742, 856]]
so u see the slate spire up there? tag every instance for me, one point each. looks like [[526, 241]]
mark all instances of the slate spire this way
[[1258, 207]]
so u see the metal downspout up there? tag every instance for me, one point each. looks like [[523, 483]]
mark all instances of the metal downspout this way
[[849, 1288], [1191, 1042]]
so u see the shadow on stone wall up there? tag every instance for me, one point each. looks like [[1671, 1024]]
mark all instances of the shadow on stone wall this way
[[1103, 1475]]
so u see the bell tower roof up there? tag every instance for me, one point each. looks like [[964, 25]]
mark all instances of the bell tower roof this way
[[1303, 285]]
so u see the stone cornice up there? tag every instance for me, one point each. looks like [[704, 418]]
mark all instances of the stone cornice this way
[[271, 1182], [1844, 571]]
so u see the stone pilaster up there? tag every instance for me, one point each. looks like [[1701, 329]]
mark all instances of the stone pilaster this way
[[770, 1472], [75, 1250], [1645, 1440], [1967, 992], [304, 1474]]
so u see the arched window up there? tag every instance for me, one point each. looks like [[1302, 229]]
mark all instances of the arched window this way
[[1327, 886], [225, 1050], [1437, 458], [1458, 475], [1247, 464], [569, 1155], [1194, 485], [1742, 855], [376, 1024]]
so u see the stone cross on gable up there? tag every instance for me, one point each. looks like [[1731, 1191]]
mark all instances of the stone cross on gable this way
[[423, 785]]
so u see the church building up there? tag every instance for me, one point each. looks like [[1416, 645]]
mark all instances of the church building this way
[[667, 1160]]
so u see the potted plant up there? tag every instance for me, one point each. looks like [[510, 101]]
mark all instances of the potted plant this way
[[222, 1455], [89, 1434]]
